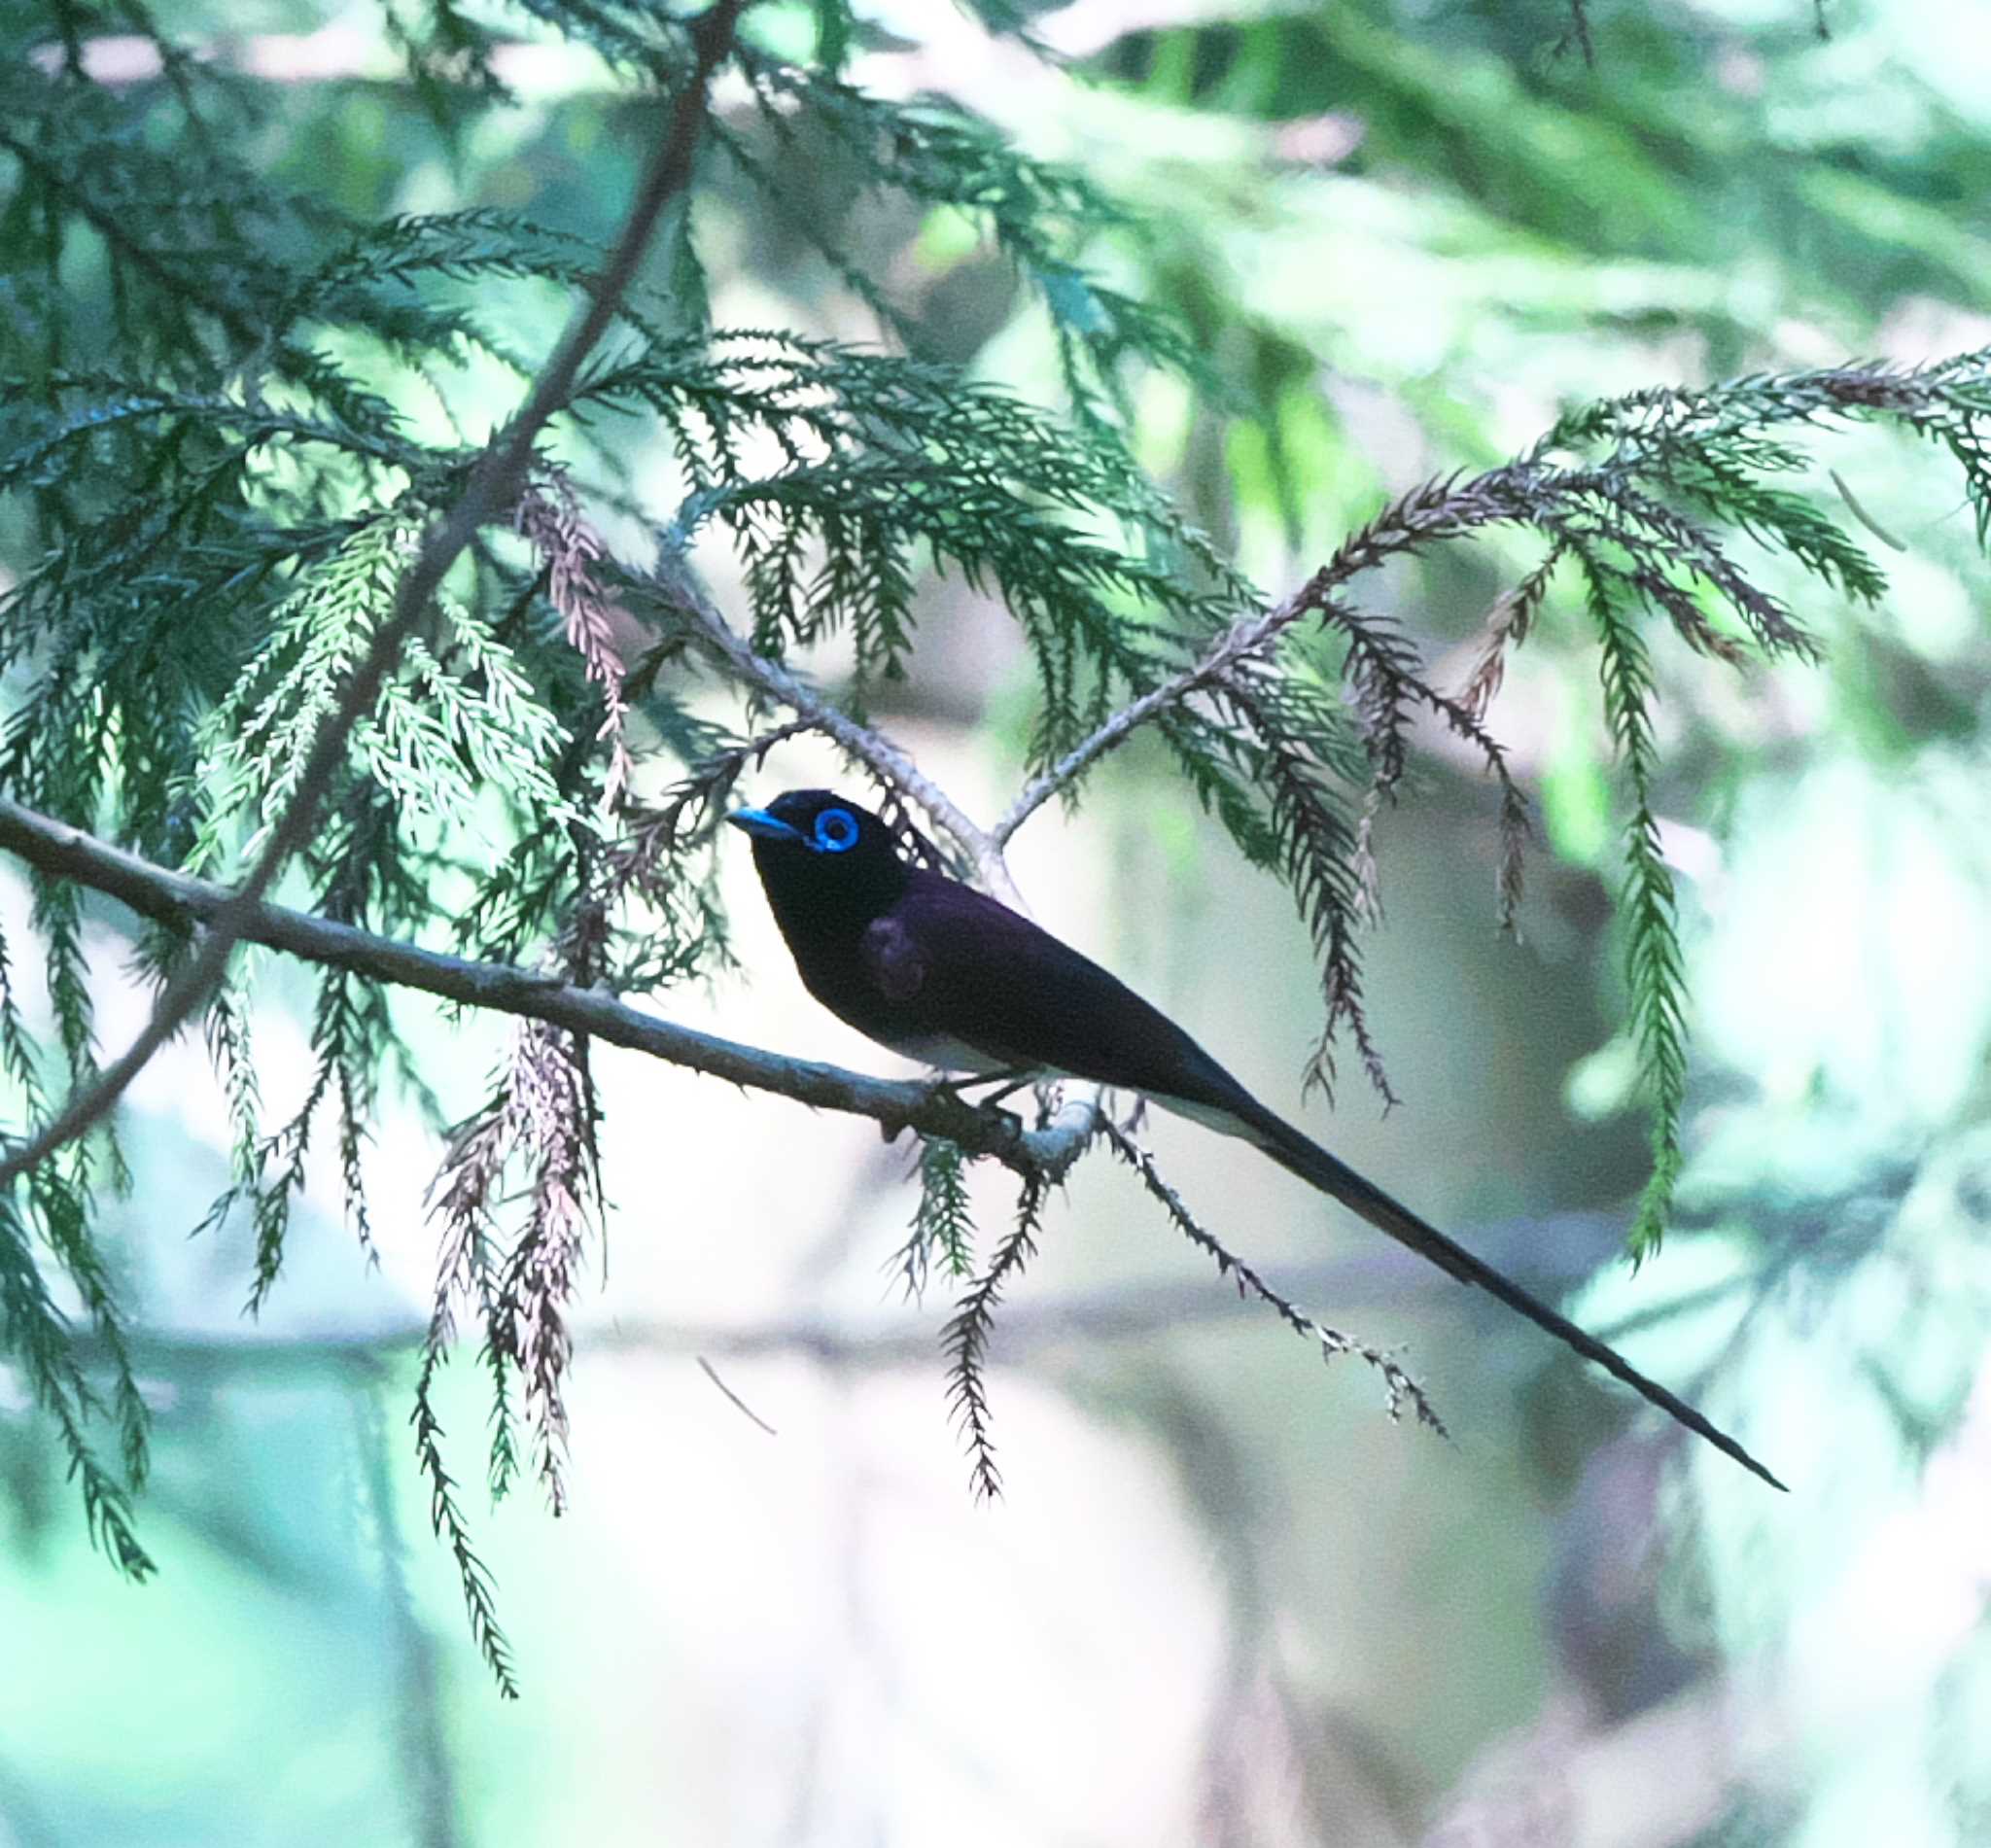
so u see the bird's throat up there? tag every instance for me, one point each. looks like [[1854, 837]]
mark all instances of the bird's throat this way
[[822, 909]]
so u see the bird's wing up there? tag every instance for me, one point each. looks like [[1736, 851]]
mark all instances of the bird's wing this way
[[893, 959], [991, 979]]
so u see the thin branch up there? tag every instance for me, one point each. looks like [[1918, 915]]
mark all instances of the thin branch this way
[[1403, 1389], [491, 486], [1505, 629], [966, 1336], [672, 580], [932, 1110], [712, 1372], [1434, 511], [1385, 676], [1247, 638], [549, 518], [420, 1736]]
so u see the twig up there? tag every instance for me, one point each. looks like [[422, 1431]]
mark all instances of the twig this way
[[671, 580], [712, 1373], [1246, 639], [1403, 1389], [967, 1333], [1434, 511], [489, 491]]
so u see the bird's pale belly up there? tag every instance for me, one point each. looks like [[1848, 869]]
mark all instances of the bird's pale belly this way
[[942, 1053], [955, 1055]]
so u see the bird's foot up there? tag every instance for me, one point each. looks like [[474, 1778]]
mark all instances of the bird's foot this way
[[1006, 1084], [954, 1090]]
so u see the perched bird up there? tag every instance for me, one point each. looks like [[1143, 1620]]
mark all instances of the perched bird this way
[[942, 973]]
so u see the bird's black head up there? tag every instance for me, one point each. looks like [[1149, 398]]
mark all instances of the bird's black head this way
[[815, 846]]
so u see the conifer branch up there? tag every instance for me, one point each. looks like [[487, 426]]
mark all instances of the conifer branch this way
[[490, 491], [966, 1337], [672, 583], [446, 1521], [1246, 640], [1402, 1388], [943, 1228], [551, 520]]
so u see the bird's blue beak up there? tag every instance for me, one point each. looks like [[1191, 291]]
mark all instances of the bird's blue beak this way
[[766, 826]]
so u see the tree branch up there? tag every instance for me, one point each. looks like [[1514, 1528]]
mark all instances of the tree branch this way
[[1248, 637], [155, 891], [1402, 1388], [491, 486], [1438, 510], [672, 581], [1375, 1277], [1387, 1277]]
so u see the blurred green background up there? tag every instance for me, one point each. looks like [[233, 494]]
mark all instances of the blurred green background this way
[[1225, 1600]]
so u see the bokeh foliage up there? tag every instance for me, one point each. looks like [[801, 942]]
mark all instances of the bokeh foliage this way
[[1291, 263]]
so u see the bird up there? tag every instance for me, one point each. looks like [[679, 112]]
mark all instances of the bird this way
[[940, 972]]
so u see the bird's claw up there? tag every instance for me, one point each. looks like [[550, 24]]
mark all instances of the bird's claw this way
[[954, 1091]]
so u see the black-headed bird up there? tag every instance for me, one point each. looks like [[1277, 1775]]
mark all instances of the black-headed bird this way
[[946, 975]]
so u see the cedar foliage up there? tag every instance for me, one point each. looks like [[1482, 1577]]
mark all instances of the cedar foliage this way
[[209, 492]]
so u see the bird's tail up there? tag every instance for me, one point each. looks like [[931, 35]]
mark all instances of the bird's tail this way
[[1331, 1175]]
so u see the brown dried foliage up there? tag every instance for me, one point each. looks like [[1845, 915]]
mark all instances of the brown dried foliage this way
[[548, 515]]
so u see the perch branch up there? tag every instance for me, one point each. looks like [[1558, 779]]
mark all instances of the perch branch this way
[[155, 891]]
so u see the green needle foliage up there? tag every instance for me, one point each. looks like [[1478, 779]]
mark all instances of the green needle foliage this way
[[233, 400], [943, 1231]]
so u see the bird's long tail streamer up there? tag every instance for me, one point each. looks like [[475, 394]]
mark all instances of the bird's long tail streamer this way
[[1333, 1176]]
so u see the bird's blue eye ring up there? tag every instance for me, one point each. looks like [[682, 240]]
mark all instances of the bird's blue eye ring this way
[[836, 830]]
